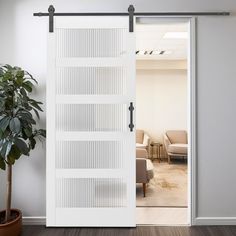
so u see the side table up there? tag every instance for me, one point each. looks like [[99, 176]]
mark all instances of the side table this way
[[157, 147]]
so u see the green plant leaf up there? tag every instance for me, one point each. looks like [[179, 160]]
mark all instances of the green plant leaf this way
[[34, 101], [1, 72], [22, 146], [4, 123], [36, 113], [25, 114], [20, 73], [28, 132], [11, 160], [32, 143], [15, 125], [15, 152], [2, 164], [23, 92], [29, 83], [19, 81], [8, 67], [7, 76], [31, 77], [32, 121], [27, 86], [35, 105], [42, 132], [5, 149]]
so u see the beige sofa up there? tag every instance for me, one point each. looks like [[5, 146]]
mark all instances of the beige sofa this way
[[144, 168], [143, 140], [176, 143]]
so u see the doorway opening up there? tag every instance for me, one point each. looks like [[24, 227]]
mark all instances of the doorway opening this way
[[163, 120]]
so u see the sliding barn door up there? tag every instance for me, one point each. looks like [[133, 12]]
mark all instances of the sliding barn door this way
[[90, 142]]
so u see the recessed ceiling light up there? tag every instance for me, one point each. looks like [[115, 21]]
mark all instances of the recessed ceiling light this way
[[141, 52], [176, 35], [156, 52], [153, 52]]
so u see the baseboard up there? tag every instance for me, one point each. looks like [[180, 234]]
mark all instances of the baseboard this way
[[37, 220], [215, 221], [41, 220]]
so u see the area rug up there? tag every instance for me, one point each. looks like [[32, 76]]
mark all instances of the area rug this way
[[168, 188]]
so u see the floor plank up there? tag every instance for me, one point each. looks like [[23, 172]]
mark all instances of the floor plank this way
[[139, 231]]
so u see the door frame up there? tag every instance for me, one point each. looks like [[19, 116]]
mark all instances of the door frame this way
[[192, 112], [192, 121]]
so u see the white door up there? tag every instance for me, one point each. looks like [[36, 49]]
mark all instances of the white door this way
[[90, 146]]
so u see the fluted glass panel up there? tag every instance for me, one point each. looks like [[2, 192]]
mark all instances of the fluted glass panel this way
[[91, 117], [91, 42], [91, 80], [90, 154], [90, 192]]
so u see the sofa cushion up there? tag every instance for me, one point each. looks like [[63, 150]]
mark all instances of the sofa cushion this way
[[178, 148], [144, 170], [177, 136], [139, 136], [141, 153]]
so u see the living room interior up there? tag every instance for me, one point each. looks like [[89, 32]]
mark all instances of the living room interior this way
[[162, 121]]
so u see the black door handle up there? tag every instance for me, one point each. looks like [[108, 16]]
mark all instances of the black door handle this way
[[131, 124]]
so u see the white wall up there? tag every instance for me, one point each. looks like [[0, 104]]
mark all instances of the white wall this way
[[216, 116], [161, 101], [23, 42]]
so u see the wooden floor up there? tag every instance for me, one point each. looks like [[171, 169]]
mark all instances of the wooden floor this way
[[161, 216], [139, 231]]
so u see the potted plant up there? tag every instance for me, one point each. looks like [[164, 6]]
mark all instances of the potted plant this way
[[18, 134]]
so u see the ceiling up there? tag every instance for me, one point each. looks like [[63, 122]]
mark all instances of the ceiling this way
[[150, 37]]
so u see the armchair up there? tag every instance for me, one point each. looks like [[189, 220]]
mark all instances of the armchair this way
[[176, 143], [143, 140], [144, 168]]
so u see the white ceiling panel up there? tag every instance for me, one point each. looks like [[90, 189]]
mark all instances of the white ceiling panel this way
[[150, 37]]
